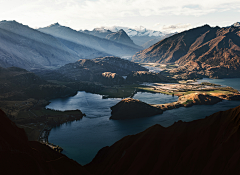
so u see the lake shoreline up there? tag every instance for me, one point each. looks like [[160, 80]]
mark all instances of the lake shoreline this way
[[103, 124]]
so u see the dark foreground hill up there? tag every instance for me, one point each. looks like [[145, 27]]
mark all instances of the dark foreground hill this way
[[201, 147], [206, 51], [20, 156]]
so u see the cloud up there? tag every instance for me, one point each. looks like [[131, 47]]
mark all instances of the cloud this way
[[103, 11], [176, 27], [123, 8]]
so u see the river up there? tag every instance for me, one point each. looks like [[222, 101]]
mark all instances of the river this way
[[82, 139]]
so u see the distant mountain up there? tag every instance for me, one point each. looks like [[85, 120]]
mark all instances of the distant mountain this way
[[121, 37], [101, 44], [141, 31], [205, 146], [100, 32], [141, 37], [208, 51], [118, 36], [24, 47]]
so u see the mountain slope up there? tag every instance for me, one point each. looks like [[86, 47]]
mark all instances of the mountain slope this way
[[212, 49], [104, 45], [27, 48], [205, 146]]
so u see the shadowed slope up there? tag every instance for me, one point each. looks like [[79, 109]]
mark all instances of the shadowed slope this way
[[205, 146]]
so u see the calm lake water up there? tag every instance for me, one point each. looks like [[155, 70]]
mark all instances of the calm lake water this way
[[81, 140]]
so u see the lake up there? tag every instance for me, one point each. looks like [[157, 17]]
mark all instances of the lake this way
[[82, 139]]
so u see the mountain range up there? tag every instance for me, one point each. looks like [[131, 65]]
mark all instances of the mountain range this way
[[142, 36], [101, 44], [119, 36], [24, 47], [205, 50], [54, 46]]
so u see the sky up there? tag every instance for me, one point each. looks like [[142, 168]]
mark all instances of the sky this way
[[160, 15]]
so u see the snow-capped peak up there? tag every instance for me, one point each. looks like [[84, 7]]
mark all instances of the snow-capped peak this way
[[101, 29], [137, 31], [236, 24]]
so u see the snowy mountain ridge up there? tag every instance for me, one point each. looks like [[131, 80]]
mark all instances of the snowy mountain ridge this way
[[138, 31], [236, 24]]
